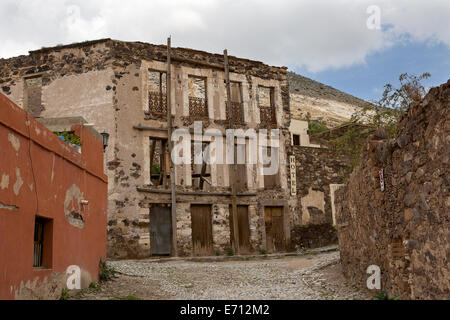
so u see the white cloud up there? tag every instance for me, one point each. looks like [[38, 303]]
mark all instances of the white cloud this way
[[314, 34]]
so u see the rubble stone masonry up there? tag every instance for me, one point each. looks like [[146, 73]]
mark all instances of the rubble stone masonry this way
[[318, 170], [403, 229]]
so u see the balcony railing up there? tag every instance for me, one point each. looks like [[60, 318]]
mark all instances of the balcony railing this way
[[157, 102], [238, 114], [267, 115], [198, 108]]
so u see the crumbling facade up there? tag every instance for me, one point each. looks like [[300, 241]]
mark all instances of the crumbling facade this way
[[394, 212], [120, 88], [318, 171], [53, 205]]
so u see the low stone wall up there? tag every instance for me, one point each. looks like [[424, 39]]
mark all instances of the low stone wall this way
[[404, 227], [313, 236]]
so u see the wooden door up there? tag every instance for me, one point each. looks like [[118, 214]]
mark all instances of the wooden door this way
[[160, 230], [274, 229], [202, 241], [243, 228]]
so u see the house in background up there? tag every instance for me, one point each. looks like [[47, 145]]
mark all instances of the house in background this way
[[53, 204]]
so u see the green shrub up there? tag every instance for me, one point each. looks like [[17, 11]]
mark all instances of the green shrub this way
[[155, 169], [69, 136], [106, 272], [316, 126], [229, 252], [64, 294], [382, 295]]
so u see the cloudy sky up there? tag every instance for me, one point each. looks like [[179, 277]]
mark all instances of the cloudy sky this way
[[327, 40]]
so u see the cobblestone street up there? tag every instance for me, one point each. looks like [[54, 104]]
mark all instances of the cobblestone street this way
[[311, 276]]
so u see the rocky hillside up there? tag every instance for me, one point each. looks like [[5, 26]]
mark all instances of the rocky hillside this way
[[321, 101]]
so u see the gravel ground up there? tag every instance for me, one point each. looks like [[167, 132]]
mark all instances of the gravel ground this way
[[301, 277]]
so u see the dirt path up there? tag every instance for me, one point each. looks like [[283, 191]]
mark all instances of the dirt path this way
[[306, 277]]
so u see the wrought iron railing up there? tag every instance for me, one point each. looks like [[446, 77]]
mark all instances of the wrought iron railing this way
[[238, 114], [198, 107], [267, 115], [157, 102], [38, 244]]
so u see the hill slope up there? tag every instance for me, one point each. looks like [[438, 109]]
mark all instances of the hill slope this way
[[320, 101]]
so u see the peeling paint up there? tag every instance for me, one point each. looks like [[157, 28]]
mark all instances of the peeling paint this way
[[5, 181], [312, 199], [14, 141], [8, 207], [48, 288], [19, 182], [72, 206], [38, 131], [53, 168]]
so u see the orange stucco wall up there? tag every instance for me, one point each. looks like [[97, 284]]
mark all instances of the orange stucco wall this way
[[36, 171]]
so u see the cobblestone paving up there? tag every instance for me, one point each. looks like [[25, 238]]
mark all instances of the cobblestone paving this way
[[305, 277]]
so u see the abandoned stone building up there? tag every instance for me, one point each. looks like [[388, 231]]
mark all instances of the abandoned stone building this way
[[120, 88]]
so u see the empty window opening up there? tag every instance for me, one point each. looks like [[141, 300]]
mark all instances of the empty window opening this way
[[198, 104], [33, 96], [157, 93], [266, 105], [236, 102], [296, 139], [241, 168], [159, 162], [270, 180], [42, 247], [201, 172]]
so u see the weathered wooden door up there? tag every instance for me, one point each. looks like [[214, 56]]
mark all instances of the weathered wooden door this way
[[160, 230], [243, 228], [274, 229], [202, 240]]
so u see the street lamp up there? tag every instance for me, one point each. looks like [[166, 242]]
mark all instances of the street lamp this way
[[105, 137]]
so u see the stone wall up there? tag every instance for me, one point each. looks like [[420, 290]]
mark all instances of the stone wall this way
[[403, 229], [317, 170]]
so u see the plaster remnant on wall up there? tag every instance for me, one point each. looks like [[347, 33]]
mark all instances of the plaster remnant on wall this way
[[333, 188], [8, 207], [5, 181], [14, 141], [53, 168], [312, 199], [72, 206], [19, 182], [49, 289]]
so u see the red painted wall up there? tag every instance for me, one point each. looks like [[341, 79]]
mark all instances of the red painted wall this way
[[36, 170]]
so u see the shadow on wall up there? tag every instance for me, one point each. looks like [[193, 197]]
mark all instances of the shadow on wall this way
[[313, 236]]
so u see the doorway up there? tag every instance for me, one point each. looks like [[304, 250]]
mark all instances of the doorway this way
[[160, 229], [243, 228], [202, 240], [274, 228]]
